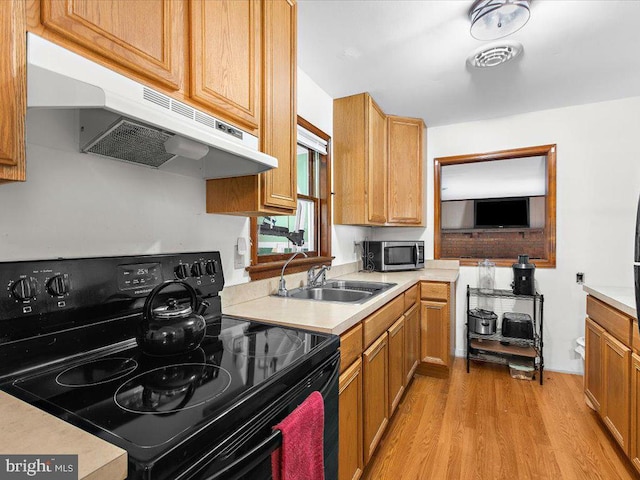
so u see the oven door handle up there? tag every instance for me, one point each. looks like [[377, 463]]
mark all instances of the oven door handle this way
[[251, 459]]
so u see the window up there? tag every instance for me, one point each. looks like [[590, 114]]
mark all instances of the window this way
[[496, 205], [274, 238]]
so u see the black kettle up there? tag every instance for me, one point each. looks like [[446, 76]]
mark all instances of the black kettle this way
[[172, 328]]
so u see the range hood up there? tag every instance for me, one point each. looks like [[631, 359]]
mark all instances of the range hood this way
[[124, 120]]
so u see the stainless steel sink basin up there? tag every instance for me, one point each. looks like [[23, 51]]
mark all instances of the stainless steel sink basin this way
[[330, 294], [344, 291]]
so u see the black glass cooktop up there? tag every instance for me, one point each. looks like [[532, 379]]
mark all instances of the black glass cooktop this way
[[145, 404]]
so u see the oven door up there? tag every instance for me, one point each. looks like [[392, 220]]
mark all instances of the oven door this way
[[246, 454]]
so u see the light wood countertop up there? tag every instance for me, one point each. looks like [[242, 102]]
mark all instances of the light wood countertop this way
[[27, 430], [333, 317]]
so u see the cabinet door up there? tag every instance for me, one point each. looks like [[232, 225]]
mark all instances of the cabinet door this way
[[13, 94], [278, 131], [405, 170], [397, 374], [412, 341], [147, 38], [350, 463], [376, 175], [225, 59], [615, 412], [434, 332], [634, 446], [593, 381], [375, 394]]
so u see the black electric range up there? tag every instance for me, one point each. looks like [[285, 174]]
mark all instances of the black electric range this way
[[67, 346]]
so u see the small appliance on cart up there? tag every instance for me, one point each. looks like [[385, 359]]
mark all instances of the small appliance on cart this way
[[137, 351], [511, 334]]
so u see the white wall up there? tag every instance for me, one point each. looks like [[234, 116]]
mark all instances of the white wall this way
[[598, 182], [75, 205], [316, 106]]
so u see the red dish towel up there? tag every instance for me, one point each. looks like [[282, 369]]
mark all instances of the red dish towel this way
[[301, 456]]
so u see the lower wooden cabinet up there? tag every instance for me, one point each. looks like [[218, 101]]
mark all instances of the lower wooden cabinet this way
[[375, 390], [350, 462], [373, 381], [437, 328], [634, 444], [612, 374], [397, 378], [616, 375], [593, 363], [412, 341]]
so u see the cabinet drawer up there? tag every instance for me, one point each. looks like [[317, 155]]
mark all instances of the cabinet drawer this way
[[434, 291], [378, 322], [613, 321], [410, 297], [350, 346]]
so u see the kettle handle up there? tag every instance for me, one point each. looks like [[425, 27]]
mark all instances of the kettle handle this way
[[148, 303]]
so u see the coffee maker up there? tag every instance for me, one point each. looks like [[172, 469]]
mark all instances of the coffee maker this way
[[523, 276]]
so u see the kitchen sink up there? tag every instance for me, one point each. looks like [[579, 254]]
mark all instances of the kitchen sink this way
[[345, 291]]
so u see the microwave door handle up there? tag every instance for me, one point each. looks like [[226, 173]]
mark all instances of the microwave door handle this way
[[417, 252], [251, 459]]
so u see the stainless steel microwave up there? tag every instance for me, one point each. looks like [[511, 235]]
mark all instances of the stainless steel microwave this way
[[389, 256]]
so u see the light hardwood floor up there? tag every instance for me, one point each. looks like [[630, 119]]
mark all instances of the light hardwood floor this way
[[487, 426]]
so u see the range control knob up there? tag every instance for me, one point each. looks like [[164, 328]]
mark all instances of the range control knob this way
[[57, 285], [211, 267], [25, 288], [196, 269], [182, 271]]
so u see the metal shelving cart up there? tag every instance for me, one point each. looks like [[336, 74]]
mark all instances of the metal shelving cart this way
[[496, 348]]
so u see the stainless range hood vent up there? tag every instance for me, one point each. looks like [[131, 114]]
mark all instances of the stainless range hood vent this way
[[123, 119]]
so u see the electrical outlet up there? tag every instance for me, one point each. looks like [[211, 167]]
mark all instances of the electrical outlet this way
[[580, 278]]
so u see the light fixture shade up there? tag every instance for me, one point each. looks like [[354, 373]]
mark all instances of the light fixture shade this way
[[492, 19]]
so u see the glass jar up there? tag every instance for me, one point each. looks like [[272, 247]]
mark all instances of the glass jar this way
[[486, 276]]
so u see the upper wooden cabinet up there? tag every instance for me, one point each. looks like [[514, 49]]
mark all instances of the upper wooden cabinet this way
[[225, 59], [13, 94], [359, 161], [273, 192], [377, 165], [404, 205], [144, 38]]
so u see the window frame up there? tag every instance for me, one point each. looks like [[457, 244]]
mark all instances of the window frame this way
[[548, 151], [268, 266]]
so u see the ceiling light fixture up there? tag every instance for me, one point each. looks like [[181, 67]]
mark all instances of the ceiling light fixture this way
[[492, 19]]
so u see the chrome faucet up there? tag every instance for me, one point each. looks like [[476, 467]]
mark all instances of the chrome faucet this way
[[282, 286], [317, 279]]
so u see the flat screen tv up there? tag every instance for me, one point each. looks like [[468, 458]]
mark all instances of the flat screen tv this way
[[501, 213]]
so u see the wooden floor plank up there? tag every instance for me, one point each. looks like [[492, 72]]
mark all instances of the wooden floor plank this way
[[487, 426]]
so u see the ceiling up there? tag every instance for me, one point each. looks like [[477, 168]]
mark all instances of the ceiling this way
[[411, 56]]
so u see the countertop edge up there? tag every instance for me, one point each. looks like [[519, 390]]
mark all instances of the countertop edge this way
[[621, 298], [349, 315]]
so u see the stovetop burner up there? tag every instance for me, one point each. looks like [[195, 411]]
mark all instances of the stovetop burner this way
[[173, 388], [95, 372]]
